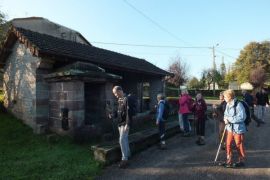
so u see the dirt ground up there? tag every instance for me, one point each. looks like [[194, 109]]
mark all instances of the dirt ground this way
[[185, 160]]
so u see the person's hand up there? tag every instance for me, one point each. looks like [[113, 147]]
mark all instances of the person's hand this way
[[126, 127], [157, 122], [267, 105], [214, 106], [110, 115], [226, 121]]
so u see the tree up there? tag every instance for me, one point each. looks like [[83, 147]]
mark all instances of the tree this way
[[257, 77], [253, 55], [209, 76], [222, 69], [194, 83], [179, 70], [3, 27]]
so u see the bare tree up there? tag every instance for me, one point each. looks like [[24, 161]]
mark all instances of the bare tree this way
[[179, 69], [257, 77]]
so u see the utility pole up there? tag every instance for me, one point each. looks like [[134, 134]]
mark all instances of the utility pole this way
[[214, 70]]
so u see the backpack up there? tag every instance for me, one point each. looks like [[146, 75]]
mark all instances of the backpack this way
[[248, 99], [166, 111], [247, 111], [190, 103], [132, 105]]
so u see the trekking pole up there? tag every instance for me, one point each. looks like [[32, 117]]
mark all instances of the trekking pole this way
[[223, 134]]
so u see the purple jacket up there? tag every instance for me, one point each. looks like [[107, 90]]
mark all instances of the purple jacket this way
[[200, 108]]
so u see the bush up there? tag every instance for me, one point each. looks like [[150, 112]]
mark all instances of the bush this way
[[2, 108]]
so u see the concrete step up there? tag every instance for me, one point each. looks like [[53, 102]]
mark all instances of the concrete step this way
[[110, 152]]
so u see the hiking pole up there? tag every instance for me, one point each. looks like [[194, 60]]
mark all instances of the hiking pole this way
[[223, 134]]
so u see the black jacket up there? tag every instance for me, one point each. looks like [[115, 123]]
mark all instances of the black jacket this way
[[262, 98], [122, 112]]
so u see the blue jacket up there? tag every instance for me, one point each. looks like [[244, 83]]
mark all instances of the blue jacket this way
[[236, 121], [160, 110]]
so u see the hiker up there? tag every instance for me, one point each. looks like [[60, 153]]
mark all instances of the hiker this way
[[184, 102], [262, 103], [123, 124], [160, 120], [180, 117], [234, 117], [200, 108], [248, 98], [218, 114]]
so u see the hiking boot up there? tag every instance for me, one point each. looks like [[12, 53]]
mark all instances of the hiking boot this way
[[228, 165], [187, 134], [123, 164], [201, 143], [162, 146], [239, 164], [222, 163]]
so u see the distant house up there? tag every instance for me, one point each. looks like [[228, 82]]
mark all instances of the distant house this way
[[234, 85], [51, 71]]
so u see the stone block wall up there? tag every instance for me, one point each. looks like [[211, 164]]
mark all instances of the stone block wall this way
[[19, 84], [66, 95]]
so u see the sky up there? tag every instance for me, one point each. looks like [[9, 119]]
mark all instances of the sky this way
[[167, 29]]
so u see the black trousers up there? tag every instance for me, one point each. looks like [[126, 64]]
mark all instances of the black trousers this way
[[200, 127]]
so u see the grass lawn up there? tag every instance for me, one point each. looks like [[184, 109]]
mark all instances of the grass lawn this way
[[24, 155]]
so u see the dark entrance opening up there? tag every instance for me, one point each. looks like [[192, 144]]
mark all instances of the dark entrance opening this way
[[94, 103]]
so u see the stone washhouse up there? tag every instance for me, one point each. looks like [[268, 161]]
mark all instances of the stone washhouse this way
[[51, 72]]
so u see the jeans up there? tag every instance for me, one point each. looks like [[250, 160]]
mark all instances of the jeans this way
[[161, 128], [260, 112], [186, 123], [181, 124], [123, 141]]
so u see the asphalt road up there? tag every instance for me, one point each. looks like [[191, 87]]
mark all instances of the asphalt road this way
[[185, 160]]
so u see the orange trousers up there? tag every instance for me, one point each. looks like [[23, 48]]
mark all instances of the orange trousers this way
[[239, 142]]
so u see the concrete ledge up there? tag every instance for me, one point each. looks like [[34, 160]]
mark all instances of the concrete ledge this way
[[110, 152]]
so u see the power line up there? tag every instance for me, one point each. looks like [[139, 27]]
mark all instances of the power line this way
[[152, 46], [162, 46], [165, 30], [225, 54], [155, 23]]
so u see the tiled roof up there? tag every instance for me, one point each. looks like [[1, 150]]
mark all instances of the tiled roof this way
[[49, 45]]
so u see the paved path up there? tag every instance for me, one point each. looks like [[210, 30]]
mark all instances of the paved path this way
[[185, 160]]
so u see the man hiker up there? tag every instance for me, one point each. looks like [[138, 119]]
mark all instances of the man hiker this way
[[218, 114], [123, 124], [250, 102], [234, 117], [160, 119], [262, 103]]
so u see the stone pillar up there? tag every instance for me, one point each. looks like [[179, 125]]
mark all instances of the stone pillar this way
[[66, 95]]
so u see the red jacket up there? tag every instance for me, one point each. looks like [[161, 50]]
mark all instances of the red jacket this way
[[183, 104]]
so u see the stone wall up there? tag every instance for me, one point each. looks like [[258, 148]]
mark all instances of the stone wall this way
[[66, 95], [20, 84], [156, 86]]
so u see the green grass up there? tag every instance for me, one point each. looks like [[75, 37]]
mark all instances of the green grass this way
[[24, 155]]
